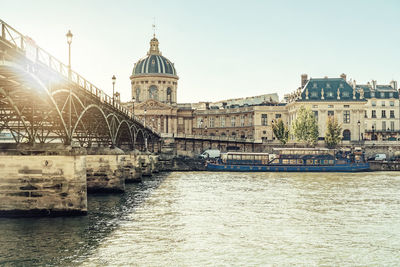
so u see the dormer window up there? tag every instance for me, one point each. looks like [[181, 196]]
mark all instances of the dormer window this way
[[329, 94], [382, 95], [372, 94], [328, 85], [391, 95], [314, 85], [153, 62], [314, 94], [341, 85], [346, 94]]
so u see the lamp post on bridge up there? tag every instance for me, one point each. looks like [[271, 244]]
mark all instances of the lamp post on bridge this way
[[69, 41], [359, 132], [144, 121], [113, 83]]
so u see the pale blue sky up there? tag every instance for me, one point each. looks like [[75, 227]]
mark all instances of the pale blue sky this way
[[221, 49]]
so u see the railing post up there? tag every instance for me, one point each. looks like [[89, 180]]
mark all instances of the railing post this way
[[3, 31]]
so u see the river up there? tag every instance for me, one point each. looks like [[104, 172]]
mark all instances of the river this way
[[222, 219]]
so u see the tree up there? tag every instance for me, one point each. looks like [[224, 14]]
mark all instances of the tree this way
[[281, 131], [305, 127], [333, 133]]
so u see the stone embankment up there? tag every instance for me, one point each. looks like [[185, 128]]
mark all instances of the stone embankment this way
[[52, 180]]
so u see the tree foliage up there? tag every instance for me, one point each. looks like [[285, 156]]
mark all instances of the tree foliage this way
[[305, 127], [281, 131], [333, 133]]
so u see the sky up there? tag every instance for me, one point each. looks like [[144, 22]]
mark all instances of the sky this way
[[221, 49]]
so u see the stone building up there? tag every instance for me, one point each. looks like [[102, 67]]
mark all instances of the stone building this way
[[246, 121], [365, 112], [382, 111], [154, 83]]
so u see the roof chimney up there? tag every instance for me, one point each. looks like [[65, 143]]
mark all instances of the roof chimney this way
[[304, 78], [374, 84], [394, 84], [343, 76]]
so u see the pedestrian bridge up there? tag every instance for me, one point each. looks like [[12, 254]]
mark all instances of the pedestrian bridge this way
[[43, 100]]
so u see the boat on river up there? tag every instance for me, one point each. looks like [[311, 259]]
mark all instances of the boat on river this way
[[292, 160]]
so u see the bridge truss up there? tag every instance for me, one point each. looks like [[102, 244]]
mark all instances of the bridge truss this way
[[43, 101]]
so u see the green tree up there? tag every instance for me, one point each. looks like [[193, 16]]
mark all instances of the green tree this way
[[281, 131], [333, 133], [305, 127]]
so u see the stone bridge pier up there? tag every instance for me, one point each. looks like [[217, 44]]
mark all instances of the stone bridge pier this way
[[42, 183]]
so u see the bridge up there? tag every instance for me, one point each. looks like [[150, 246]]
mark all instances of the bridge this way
[[43, 100]]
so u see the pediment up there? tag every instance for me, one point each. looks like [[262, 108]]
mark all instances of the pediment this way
[[153, 104]]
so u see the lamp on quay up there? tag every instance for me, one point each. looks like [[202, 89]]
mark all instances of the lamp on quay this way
[[359, 132], [69, 41]]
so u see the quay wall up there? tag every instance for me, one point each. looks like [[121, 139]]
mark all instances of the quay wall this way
[[36, 185]]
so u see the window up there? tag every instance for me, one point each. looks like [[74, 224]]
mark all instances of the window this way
[[331, 113], [199, 122], [233, 121], [264, 119], [329, 94], [346, 94], [330, 106], [169, 95], [382, 95], [264, 132], [153, 92], [372, 94], [242, 120], [346, 106], [391, 95], [180, 120], [383, 125], [383, 113], [278, 116], [373, 103], [383, 103], [391, 103], [211, 122], [392, 114], [222, 121], [392, 125], [346, 116], [315, 106], [373, 114], [365, 114]]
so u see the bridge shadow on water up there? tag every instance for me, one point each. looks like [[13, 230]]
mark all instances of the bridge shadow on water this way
[[68, 240]]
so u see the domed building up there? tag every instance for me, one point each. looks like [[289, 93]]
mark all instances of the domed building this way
[[154, 83], [154, 77]]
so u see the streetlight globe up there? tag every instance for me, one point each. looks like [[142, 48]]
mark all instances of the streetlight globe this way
[[113, 79], [69, 37]]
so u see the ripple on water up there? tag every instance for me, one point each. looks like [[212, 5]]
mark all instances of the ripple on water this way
[[228, 219]]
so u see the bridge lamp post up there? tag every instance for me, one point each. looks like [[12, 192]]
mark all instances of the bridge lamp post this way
[[69, 41], [113, 83], [359, 131], [201, 127]]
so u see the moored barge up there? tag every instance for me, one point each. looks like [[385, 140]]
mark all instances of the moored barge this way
[[292, 160]]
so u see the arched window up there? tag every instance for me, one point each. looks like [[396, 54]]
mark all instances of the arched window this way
[[137, 93], [169, 95], [153, 92], [346, 135]]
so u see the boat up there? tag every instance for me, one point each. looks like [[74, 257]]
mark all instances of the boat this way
[[292, 160]]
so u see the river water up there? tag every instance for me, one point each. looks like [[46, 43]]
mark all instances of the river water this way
[[222, 219]]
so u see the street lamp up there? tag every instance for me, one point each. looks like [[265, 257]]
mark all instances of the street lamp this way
[[113, 83], [69, 41], [201, 127], [359, 132], [373, 132]]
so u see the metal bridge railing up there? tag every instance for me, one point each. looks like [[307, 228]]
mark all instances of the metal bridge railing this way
[[38, 55]]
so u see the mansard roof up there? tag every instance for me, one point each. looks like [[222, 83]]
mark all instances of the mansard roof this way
[[380, 91], [328, 89]]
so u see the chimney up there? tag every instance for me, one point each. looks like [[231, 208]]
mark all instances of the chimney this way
[[304, 78], [374, 84], [343, 76], [393, 84], [207, 105], [224, 105]]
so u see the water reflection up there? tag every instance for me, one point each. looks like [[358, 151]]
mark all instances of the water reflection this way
[[228, 219], [63, 240]]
